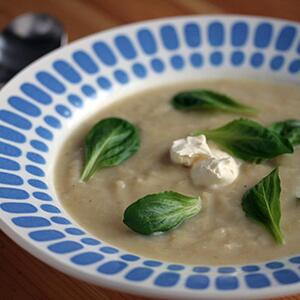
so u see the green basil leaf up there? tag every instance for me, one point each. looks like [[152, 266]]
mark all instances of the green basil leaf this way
[[209, 100], [160, 212], [248, 140], [290, 129], [262, 203], [109, 143]]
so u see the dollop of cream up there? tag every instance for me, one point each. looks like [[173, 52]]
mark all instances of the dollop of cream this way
[[210, 167], [215, 172], [186, 151]]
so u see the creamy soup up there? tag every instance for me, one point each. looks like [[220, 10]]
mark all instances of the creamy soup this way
[[220, 233]]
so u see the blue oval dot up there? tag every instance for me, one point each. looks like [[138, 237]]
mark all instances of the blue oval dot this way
[[87, 258], [39, 145], [74, 231], [201, 269], [237, 58], [277, 62], [216, 58], [225, 270], [31, 222], [63, 110], [257, 59], [60, 220], [14, 119], [112, 267], [295, 260], [196, 60], [263, 35], [286, 276], [50, 82], [67, 71], [13, 193], [166, 279], [8, 164], [147, 41], [44, 133], [42, 196], [24, 106], [192, 34], [157, 65], [175, 267], [104, 83], [121, 76], [257, 281], [109, 250], [227, 283], [294, 67], [65, 247], [177, 62], [50, 208], [11, 135], [89, 91], [125, 46], [250, 268], [75, 100], [90, 241], [197, 282], [85, 62], [52, 121], [169, 37], [139, 274], [286, 38], [139, 70], [38, 184], [9, 150], [216, 35], [274, 265], [130, 257], [10, 179], [17, 207], [36, 93], [239, 34], [152, 263], [104, 52], [35, 157], [46, 235]]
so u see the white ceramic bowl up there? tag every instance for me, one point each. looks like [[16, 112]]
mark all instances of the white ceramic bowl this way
[[42, 104]]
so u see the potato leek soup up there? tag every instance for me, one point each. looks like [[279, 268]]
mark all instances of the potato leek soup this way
[[201, 178]]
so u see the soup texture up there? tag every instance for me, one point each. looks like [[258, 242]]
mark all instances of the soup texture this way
[[220, 233]]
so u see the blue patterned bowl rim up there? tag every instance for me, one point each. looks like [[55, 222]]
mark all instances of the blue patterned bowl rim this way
[[52, 94]]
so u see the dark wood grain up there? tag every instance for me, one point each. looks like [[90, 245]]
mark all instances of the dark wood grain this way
[[23, 277]]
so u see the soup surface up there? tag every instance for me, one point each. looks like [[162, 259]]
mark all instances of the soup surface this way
[[220, 233]]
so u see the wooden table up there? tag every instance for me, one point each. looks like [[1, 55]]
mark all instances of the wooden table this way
[[19, 270]]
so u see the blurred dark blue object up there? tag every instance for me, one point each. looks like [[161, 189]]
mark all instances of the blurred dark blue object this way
[[26, 38]]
